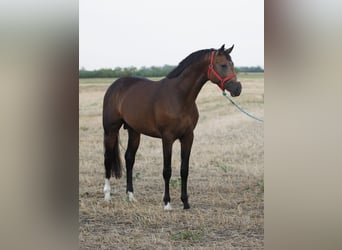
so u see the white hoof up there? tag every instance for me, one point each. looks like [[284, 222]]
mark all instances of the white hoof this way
[[106, 190], [168, 207], [107, 196], [131, 197]]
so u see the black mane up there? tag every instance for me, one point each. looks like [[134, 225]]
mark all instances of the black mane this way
[[193, 57]]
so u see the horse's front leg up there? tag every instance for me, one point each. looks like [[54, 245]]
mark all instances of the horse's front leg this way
[[167, 154], [186, 144]]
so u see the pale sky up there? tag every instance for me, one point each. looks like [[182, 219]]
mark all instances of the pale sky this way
[[124, 33]]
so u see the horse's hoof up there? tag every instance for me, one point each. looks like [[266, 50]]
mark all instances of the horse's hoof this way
[[131, 197], [186, 206], [107, 197], [106, 190], [168, 207]]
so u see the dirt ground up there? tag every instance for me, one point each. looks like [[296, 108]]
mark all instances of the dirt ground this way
[[225, 186]]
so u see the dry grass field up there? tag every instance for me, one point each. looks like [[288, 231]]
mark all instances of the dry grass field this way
[[225, 186]]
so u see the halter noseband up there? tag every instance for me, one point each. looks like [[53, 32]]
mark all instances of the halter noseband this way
[[212, 70]]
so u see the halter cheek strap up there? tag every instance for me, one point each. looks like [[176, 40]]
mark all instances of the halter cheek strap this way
[[212, 70]]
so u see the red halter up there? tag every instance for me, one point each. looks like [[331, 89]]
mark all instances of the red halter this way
[[212, 70]]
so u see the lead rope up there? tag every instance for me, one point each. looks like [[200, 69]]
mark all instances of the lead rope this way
[[225, 95]]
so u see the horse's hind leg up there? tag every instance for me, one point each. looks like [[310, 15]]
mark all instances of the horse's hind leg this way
[[132, 147]]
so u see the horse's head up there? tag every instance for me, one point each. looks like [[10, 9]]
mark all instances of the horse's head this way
[[221, 71]]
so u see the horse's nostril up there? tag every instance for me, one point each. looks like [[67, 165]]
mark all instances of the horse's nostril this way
[[237, 91]]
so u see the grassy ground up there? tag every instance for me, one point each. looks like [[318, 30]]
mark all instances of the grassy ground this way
[[226, 185]]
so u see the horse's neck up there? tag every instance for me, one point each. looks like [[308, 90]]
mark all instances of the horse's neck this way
[[192, 80]]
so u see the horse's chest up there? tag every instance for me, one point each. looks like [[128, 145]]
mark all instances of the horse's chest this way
[[186, 121]]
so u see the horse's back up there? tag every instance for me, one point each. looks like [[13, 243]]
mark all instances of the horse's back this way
[[123, 84]]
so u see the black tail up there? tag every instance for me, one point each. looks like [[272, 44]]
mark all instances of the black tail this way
[[112, 123], [112, 162], [117, 160]]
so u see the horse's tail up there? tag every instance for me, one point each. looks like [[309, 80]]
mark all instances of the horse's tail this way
[[112, 161], [117, 163], [111, 125]]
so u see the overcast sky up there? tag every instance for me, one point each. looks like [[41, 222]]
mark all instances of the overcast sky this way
[[151, 32]]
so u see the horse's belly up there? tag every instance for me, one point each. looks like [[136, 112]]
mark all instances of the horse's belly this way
[[152, 134], [148, 132], [143, 126]]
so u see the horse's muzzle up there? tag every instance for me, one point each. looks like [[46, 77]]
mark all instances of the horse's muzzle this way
[[234, 87]]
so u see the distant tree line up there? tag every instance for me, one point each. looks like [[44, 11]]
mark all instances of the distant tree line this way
[[152, 71], [256, 69]]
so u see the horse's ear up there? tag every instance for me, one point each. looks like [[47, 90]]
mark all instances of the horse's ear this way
[[229, 50], [221, 50]]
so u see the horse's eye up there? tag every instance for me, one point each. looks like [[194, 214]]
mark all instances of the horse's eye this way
[[223, 66]]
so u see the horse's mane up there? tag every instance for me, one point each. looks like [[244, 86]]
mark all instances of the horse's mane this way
[[193, 57]]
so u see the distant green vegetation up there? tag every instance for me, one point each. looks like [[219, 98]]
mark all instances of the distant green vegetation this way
[[110, 80], [250, 75], [256, 69], [153, 71]]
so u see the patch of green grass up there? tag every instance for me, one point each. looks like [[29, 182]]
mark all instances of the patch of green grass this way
[[176, 182], [261, 185], [224, 167], [84, 128], [136, 176], [193, 235]]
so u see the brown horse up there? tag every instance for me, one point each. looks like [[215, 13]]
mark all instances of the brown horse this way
[[163, 109]]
